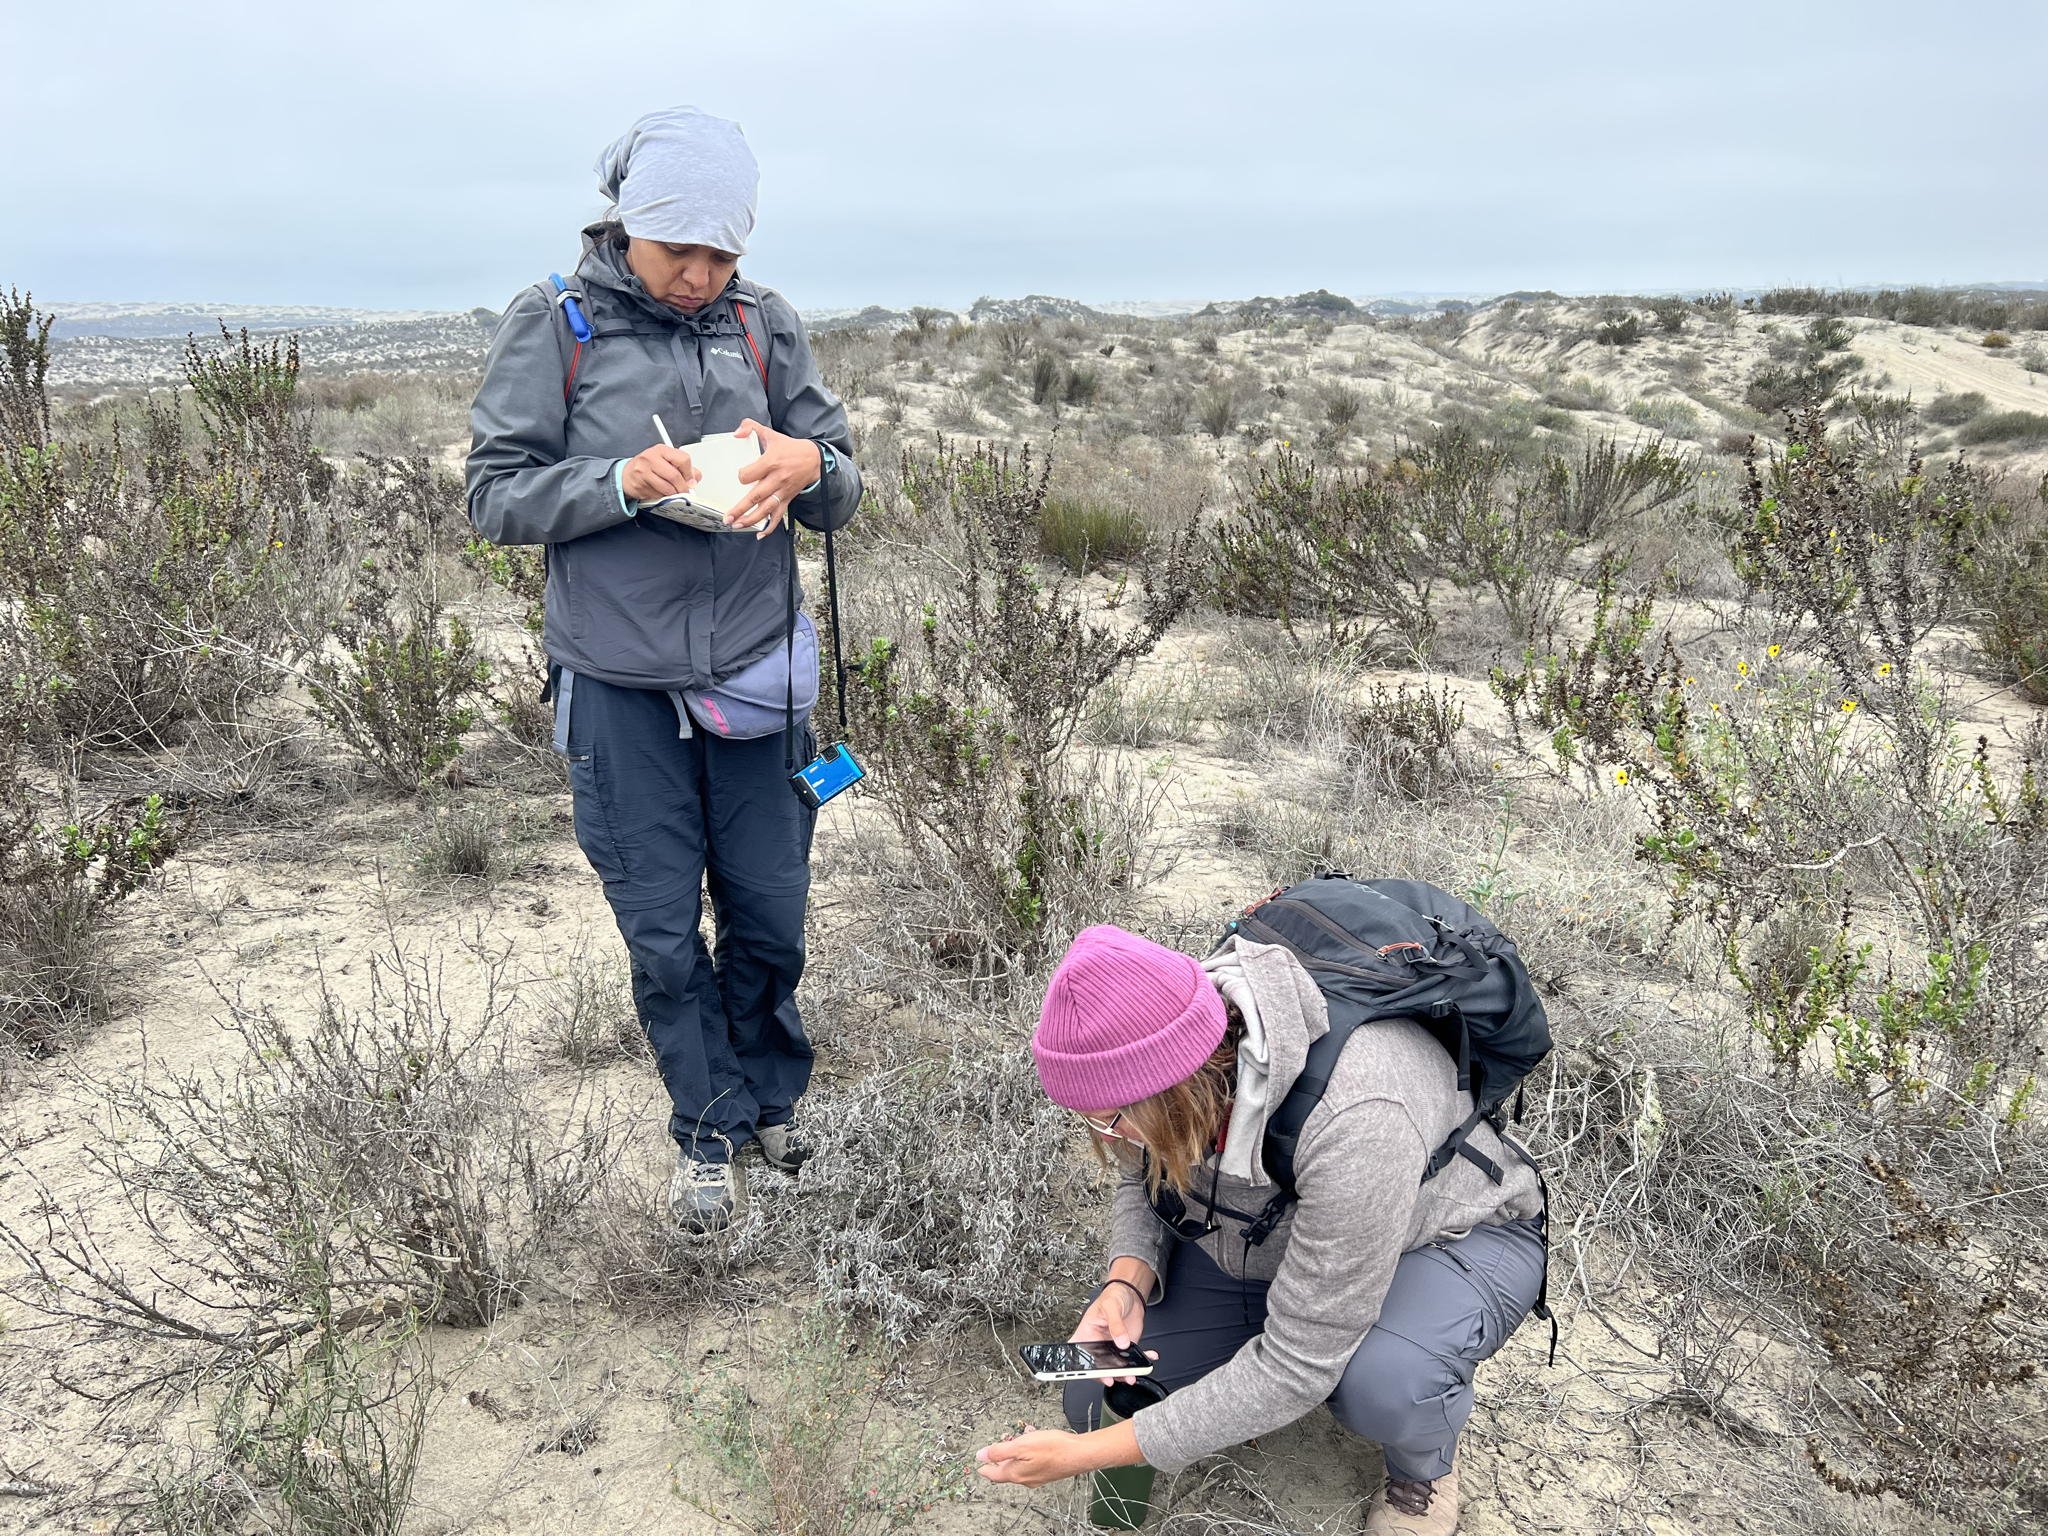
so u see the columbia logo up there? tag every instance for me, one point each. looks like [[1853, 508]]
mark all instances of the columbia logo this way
[[725, 352]]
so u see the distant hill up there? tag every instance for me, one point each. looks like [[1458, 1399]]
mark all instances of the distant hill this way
[[100, 345]]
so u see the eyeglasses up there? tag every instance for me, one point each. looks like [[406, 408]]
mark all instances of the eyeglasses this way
[[1109, 1129]]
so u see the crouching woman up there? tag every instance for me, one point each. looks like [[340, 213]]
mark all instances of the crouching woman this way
[[1376, 1292]]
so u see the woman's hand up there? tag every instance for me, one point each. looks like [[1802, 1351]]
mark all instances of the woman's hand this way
[[1117, 1315], [658, 471], [786, 467], [1036, 1457]]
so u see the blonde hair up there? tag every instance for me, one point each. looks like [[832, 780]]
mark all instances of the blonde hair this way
[[1179, 1125]]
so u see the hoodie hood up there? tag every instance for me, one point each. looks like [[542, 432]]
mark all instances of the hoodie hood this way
[[1284, 1014]]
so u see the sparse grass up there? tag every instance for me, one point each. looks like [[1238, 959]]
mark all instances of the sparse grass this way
[[587, 1015], [1086, 535], [2027, 429], [807, 1438], [1954, 410], [460, 842], [1666, 413]]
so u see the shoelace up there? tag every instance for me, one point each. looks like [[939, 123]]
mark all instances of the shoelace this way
[[1409, 1497], [708, 1175]]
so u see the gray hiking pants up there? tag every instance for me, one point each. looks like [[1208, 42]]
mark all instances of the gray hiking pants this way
[[1409, 1384]]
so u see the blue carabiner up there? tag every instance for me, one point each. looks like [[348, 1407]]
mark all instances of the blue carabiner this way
[[571, 303]]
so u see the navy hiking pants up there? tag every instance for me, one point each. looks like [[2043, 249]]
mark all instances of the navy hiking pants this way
[[1409, 1383], [661, 816]]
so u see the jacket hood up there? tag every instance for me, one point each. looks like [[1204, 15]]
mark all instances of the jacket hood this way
[[603, 266], [1284, 1014]]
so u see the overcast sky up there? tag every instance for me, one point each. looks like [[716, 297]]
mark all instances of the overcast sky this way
[[437, 154]]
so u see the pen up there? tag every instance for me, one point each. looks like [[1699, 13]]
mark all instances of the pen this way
[[666, 440]]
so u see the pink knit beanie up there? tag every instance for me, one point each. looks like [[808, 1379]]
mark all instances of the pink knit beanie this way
[[1123, 1018]]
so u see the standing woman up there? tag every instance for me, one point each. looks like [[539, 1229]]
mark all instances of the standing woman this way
[[1379, 1292], [645, 615]]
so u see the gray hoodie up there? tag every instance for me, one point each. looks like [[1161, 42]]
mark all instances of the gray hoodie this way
[[645, 603], [1391, 1101]]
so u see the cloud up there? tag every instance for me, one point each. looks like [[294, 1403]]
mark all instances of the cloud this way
[[439, 155]]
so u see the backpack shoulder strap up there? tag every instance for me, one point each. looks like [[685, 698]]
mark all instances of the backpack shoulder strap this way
[[1283, 1127], [746, 293], [569, 303]]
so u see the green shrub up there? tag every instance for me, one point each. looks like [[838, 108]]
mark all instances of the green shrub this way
[[1671, 315], [1328, 548], [150, 581], [1803, 370], [806, 1440], [1608, 486], [400, 693], [1954, 410], [58, 885], [2009, 591], [1858, 565], [1342, 406], [1083, 535], [2027, 428], [965, 726], [459, 842], [1996, 341], [1619, 331]]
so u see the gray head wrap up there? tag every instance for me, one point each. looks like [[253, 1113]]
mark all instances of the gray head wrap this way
[[683, 176]]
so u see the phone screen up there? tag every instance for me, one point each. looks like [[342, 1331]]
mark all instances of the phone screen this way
[[1095, 1357]]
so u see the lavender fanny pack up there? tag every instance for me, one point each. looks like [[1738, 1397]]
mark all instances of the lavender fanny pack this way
[[754, 701]]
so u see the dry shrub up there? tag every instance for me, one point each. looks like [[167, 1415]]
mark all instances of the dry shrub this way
[[346, 1171], [941, 1194]]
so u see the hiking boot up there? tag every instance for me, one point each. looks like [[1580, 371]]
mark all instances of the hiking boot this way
[[1405, 1508], [782, 1148], [701, 1195]]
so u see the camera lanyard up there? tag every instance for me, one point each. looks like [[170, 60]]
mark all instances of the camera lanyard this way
[[789, 752]]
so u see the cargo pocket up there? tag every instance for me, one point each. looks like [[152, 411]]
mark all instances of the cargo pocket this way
[[594, 834]]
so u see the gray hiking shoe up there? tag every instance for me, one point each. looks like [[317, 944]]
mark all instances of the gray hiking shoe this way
[[782, 1147], [701, 1195]]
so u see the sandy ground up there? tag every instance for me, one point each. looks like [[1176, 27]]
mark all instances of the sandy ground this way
[[567, 1417]]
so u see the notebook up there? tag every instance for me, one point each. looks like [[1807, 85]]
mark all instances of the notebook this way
[[719, 459]]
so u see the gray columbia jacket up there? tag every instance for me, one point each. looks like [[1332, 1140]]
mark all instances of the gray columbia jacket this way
[[645, 603]]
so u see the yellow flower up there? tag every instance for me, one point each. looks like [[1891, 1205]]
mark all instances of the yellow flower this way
[[1848, 706], [1884, 669], [1742, 669], [1772, 650], [1621, 775]]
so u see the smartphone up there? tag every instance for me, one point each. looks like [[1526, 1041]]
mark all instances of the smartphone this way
[[1093, 1360]]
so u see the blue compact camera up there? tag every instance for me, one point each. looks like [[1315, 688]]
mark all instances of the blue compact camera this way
[[829, 773]]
